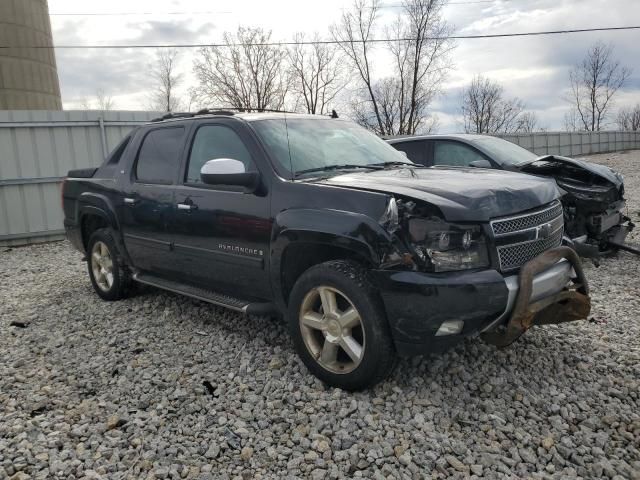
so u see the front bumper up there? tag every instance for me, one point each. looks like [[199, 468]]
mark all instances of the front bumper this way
[[539, 302], [549, 289]]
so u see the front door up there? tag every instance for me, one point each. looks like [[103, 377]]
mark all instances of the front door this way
[[148, 199], [455, 154], [221, 234]]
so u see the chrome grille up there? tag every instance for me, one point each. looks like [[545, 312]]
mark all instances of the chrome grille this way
[[514, 256], [543, 227], [523, 222]]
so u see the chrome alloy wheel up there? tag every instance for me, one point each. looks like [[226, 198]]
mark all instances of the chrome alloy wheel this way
[[102, 266], [332, 329]]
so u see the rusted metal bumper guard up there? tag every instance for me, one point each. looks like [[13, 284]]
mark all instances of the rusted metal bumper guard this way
[[572, 303]]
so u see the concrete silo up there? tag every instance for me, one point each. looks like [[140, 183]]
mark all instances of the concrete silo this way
[[28, 76]]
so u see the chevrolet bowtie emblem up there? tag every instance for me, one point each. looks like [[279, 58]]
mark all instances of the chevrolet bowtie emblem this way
[[543, 231]]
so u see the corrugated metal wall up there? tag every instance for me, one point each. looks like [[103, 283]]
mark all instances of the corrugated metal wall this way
[[37, 148], [575, 143]]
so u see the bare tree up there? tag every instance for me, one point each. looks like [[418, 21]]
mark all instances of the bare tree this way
[[105, 101], [485, 110], [316, 74], [164, 96], [419, 47], [594, 82], [354, 33], [246, 73], [101, 101], [571, 121], [629, 118], [528, 122]]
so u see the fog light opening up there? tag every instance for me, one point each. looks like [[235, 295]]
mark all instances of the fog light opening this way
[[450, 327]]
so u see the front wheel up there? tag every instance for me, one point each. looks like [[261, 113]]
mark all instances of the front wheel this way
[[338, 326]]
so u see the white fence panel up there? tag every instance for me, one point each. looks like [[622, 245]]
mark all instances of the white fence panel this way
[[575, 143], [37, 149]]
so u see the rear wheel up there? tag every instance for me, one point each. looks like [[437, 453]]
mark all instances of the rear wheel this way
[[107, 272], [338, 326]]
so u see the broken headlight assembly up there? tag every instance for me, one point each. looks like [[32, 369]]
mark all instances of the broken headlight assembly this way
[[447, 247]]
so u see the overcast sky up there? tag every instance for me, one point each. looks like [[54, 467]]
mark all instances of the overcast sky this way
[[533, 68]]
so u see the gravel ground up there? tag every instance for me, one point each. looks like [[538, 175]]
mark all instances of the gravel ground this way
[[161, 386]]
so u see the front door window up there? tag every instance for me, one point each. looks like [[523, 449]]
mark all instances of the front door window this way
[[455, 154]]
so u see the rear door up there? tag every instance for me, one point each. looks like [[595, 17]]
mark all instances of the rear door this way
[[148, 198], [221, 234]]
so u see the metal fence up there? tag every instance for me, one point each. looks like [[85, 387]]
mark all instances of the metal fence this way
[[571, 144], [37, 149]]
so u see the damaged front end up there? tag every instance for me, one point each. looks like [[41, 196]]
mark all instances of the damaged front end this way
[[593, 201], [444, 281], [569, 304]]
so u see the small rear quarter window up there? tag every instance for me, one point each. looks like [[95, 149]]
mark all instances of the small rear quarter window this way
[[116, 154]]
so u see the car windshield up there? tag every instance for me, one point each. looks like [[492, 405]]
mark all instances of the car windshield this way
[[301, 146], [505, 152]]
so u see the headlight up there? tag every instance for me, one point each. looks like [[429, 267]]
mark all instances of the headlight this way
[[448, 247], [389, 218]]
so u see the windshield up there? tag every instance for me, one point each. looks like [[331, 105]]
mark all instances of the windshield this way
[[320, 143], [505, 152]]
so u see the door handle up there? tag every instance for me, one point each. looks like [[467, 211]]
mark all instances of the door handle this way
[[187, 206], [129, 201]]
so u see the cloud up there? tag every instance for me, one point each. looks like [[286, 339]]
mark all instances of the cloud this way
[[536, 68], [176, 31], [533, 68], [121, 73]]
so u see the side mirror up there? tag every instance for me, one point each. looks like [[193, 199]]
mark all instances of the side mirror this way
[[403, 153], [481, 164], [227, 171]]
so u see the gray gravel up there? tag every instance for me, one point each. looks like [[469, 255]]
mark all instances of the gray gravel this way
[[161, 386]]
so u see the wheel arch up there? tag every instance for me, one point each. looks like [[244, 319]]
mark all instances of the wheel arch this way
[[96, 211], [307, 237]]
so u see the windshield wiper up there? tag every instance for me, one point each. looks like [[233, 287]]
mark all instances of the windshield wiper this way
[[327, 168]]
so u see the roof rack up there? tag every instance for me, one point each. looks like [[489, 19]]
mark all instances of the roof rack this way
[[219, 111], [169, 116], [231, 110]]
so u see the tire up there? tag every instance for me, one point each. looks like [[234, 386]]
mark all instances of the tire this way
[[109, 275], [351, 347]]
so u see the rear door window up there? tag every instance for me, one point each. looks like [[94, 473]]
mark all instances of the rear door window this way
[[454, 154], [159, 155]]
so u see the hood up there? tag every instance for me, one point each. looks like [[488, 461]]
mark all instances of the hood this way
[[461, 194], [601, 171]]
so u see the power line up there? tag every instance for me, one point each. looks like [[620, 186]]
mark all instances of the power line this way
[[122, 14], [324, 42]]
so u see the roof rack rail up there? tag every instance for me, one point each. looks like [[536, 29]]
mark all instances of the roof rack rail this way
[[231, 110], [217, 111], [170, 115]]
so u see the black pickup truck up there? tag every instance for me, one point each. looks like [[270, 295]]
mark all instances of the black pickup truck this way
[[366, 254]]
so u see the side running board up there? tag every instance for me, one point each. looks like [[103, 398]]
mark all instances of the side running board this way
[[238, 305]]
